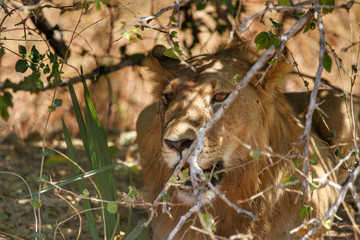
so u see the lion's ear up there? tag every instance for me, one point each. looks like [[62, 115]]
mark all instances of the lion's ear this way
[[157, 62], [274, 75]]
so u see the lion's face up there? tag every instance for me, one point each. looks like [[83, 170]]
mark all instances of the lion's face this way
[[188, 100]]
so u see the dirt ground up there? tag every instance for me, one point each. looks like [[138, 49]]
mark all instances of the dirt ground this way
[[24, 158]]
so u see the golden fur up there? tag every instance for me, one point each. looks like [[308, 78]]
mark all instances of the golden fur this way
[[260, 117]]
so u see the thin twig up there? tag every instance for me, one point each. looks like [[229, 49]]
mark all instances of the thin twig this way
[[162, 11]]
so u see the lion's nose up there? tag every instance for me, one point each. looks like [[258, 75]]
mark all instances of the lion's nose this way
[[180, 145]]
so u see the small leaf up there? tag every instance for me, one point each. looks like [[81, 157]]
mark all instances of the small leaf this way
[[276, 24], [21, 66], [327, 223], [329, 3], [314, 159], [174, 33], [332, 134], [22, 49], [234, 79], [165, 196], [139, 36], [327, 62], [34, 54], [265, 40], [172, 53], [337, 217], [112, 207], [36, 203], [255, 154], [85, 193], [305, 212], [284, 3], [38, 235], [126, 35], [310, 25], [58, 102], [2, 52], [273, 62], [132, 192]]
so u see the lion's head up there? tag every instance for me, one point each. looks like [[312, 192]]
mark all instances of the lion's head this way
[[190, 93], [187, 94]]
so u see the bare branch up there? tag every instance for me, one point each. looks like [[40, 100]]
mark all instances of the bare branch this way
[[162, 11], [312, 106], [183, 218]]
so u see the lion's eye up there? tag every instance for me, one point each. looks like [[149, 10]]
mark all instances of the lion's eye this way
[[168, 98], [219, 97]]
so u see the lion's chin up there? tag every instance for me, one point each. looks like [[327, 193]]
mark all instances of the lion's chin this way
[[187, 197]]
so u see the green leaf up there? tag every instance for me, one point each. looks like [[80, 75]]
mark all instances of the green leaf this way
[[174, 34], [46, 69], [132, 192], [112, 207], [310, 25], [314, 159], [338, 217], [36, 203], [85, 193], [2, 51], [165, 196], [126, 35], [327, 62], [208, 220], [97, 5], [172, 53], [273, 62], [332, 134], [38, 235], [265, 40], [327, 223], [8, 99], [58, 102], [305, 212], [21, 66], [34, 55], [276, 24], [329, 3], [284, 3], [234, 79], [255, 154], [22, 49]]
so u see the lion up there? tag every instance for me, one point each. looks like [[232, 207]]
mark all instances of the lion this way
[[260, 120]]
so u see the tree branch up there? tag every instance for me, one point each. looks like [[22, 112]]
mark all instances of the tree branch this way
[[133, 60]]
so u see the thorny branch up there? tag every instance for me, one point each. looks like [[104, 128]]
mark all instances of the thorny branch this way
[[342, 193], [346, 6]]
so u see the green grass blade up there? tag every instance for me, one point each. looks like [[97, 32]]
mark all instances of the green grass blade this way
[[139, 232], [80, 120], [100, 157], [85, 202]]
